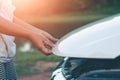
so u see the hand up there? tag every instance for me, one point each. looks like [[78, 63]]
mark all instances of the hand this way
[[43, 41]]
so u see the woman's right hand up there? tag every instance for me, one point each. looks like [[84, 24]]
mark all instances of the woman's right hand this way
[[43, 41]]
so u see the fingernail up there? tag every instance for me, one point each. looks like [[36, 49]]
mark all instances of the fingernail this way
[[49, 51]]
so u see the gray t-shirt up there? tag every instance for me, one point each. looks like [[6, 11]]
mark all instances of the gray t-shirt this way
[[7, 45]]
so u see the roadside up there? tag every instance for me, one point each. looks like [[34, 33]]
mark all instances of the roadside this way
[[45, 70], [41, 76]]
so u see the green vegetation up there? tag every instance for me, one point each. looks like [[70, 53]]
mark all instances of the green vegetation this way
[[33, 56], [26, 62]]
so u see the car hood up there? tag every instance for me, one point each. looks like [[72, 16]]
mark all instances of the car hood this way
[[100, 39]]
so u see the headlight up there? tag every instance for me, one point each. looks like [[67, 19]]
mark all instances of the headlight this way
[[68, 67]]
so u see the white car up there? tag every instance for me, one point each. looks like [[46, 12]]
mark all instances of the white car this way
[[92, 52]]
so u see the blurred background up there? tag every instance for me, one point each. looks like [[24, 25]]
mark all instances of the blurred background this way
[[58, 17]]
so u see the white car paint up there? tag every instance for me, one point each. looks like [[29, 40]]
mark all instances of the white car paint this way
[[100, 39], [58, 75]]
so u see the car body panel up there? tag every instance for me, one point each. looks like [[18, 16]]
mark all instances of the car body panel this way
[[57, 75], [99, 39]]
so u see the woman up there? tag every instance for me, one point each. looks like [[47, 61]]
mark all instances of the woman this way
[[11, 26]]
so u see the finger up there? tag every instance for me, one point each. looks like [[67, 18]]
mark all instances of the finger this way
[[37, 40], [40, 46], [50, 37], [45, 50], [48, 43]]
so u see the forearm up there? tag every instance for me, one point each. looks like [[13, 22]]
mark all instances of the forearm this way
[[33, 29], [41, 39], [25, 25], [13, 29]]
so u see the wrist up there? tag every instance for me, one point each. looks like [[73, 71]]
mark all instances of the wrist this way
[[27, 35], [30, 35]]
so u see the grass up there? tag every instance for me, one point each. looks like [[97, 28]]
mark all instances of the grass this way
[[26, 62], [34, 56]]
